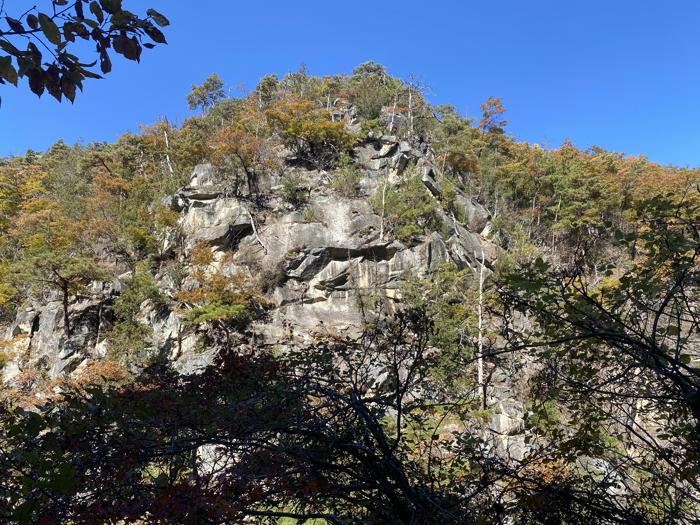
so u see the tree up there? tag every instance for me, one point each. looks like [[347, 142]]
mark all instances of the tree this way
[[590, 356], [371, 89], [347, 178], [266, 90], [309, 131], [119, 213], [207, 94], [52, 255], [314, 435], [449, 296], [300, 84], [492, 116], [410, 210], [55, 26], [453, 137], [227, 304], [618, 359], [128, 337], [242, 144]]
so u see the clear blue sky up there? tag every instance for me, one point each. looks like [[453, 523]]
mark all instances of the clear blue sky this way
[[620, 74]]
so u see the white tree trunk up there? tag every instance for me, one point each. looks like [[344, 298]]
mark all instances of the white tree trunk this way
[[167, 153], [381, 226], [393, 112], [480, 333], [410, 109]]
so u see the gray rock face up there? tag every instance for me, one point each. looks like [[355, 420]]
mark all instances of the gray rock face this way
[[327, 265], [38, 338], [218, 221], [477, 216], [24, 322], [203, 175], [325, 268], [430, 182]]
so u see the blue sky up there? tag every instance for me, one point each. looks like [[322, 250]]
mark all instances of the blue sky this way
[[620, 74]]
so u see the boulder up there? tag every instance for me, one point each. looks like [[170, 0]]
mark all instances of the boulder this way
[[376, 164], [467, 248], [435, 251], [202, 175], [476, 215], [25, 322], [220, 222], [429, 180], [387, 150]]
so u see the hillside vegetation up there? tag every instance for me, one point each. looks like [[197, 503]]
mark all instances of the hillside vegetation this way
[[329, 301]]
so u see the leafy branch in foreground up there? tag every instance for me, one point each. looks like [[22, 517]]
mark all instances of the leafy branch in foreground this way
[[51, 30]]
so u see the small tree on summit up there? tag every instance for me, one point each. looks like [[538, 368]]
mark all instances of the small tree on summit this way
[[208, 94], [492, 115], [309, 132]]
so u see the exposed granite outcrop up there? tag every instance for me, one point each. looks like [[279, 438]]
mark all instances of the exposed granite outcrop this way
[[327, 264]]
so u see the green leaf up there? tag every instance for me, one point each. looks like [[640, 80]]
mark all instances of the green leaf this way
[[33, 21], [89, 74], [95, 10], [36, 81], [9, 48], [128, 47], [50, 29], [68, 88], [65, 481], [23, 513], [673, 331], [158, 18], [155, 34], [15, 25], [111, 6], [11, 75], [7, 70], [35, 424], [53, 83], [105, 62], [24, 66], [541, 265], [161, 481]]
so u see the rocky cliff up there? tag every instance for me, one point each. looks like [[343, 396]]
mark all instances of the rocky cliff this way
[[322, 260], [319, 266]]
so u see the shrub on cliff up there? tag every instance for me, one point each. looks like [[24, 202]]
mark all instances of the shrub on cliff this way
[[309, 131], [409, 209]]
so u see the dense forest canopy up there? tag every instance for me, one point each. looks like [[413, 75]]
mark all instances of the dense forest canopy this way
[[594, 291]]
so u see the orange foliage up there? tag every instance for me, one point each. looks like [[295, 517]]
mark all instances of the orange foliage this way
[[492, 113]]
